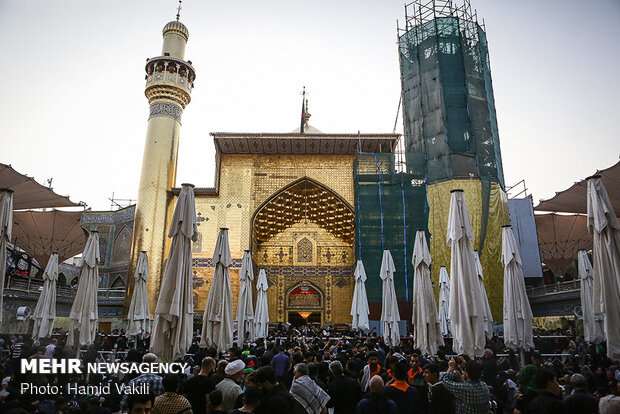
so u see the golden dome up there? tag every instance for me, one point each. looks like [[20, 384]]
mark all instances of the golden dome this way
[[177, 27]]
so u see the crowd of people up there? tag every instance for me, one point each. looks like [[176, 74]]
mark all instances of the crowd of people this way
[[319, 372]]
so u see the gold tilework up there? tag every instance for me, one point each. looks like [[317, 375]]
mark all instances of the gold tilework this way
[[157, 178], [330, 250], [490, 257], [203, 276], [308, 200], [245, 183]]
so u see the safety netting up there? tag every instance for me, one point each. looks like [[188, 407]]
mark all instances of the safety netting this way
[[390, 205], [448, 104], [393, 200]]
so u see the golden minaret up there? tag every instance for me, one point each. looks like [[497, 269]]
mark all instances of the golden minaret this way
[[169, 81]]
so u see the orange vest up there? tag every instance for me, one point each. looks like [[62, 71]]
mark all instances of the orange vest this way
[[412, 375], [400, 385]]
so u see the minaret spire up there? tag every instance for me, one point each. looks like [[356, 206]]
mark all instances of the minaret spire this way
[[179, 10]]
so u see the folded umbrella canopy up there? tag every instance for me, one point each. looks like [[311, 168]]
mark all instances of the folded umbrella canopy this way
[[605, 229], [261, 315], [426, 331], [6, 227], [592, 324], [466, 310], [174, 313], [84, 315], [389, 311], [517, 312], [359, 306], [217, 321], [139, 317], [444, 301], [488, 317], [245, 311], [45, 311]]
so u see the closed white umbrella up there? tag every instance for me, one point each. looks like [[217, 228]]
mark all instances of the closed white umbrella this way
[[84, 315], [592, 324], [444, 301], [488, 317], [245, 311], [174, 313], [217, 321], [6, 229], [359, 306], [261, 316], [517, 312], [45, 312], [389, 310], [605, 229], [139, 315], [426, 332], [466, 309]]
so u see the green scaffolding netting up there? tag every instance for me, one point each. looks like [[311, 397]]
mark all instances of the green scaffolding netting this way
[[390, 205], [448, 104]]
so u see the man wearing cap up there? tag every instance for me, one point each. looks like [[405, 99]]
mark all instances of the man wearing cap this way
[[580, 401], [229, 385]]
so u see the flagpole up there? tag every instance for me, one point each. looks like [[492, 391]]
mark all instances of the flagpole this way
[[303, 111]]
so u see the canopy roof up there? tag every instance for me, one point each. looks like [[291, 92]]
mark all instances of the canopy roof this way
[[311, 142], [27, 193], [559, 239], [42, 232], [573, 199]]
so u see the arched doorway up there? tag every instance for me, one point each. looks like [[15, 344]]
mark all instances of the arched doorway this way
[[303, 236], [304, 305], [307, 200]]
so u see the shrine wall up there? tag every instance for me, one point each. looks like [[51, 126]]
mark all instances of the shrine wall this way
[[245, 182]]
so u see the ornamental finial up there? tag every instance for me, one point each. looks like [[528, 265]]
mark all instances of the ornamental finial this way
[[306, 113], [179, 10]]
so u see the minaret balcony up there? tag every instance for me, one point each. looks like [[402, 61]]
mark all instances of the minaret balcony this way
[[167, 76], [159, 79]]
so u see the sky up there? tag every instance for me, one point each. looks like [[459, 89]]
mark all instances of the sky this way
[[72, 83]]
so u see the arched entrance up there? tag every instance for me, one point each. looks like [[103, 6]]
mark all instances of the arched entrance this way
[[304, 305], [307, 200], [303, 236]]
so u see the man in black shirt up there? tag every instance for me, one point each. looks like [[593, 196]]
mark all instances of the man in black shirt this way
[[198, 386], [440, 400], [489, 368], [344, 391], [275, 399], [580, 401], [549, 400]]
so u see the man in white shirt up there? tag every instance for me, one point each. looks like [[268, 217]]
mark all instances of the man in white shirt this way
[[229, 385], [49, 350]]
